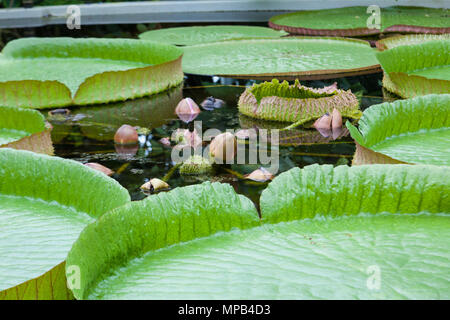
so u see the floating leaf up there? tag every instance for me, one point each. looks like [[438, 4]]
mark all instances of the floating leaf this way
[[205, 242], [418, 69], [299, 57], [51, 72], [44, 204], [352, 21], [204, 34], [24, 129], [415, 131], [295, 103], [159, 221]]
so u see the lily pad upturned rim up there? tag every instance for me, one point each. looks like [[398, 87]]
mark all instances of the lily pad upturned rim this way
[[400, 62], [39, 138], [190, 208], [389, 120], [410, 39], [353, 32], [31, 175], [301, 75], [307, 109], [313, 185], [163, 70], [193, 29]]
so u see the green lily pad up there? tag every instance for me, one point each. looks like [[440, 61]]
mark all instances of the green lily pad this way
[[418, 69], [295, 103], [413, 131], [24, 129], [322, 229], [158, 221], [288, 58], [410, 39], [352, 21], [187, 36], [54, 72], [45, 202]]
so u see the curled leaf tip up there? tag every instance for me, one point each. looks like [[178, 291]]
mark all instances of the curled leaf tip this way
[[154, 185], [260, 175]]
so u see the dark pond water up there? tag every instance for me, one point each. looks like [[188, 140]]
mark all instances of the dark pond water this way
[[87, 134]]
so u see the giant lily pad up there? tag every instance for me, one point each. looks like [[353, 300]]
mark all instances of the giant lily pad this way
[[352, 21], [49, 72], [288, 58], [323, 228], [44, 204], [410, 39], [24, 129], [413, 131], [418, 69], [203, 34], [157, 222], [295, 103]]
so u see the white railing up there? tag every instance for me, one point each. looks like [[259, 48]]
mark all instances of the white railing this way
[[185, 11]]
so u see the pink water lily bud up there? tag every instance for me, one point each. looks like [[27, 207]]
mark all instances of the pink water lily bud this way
[[323, 125], [165, 141], [324, 122], [99, 167], [336, 121], [260, 175], [126, 134], [187, 110], [223, 147]]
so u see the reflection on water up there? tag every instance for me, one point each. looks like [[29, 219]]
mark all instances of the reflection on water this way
[[86, 135]]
